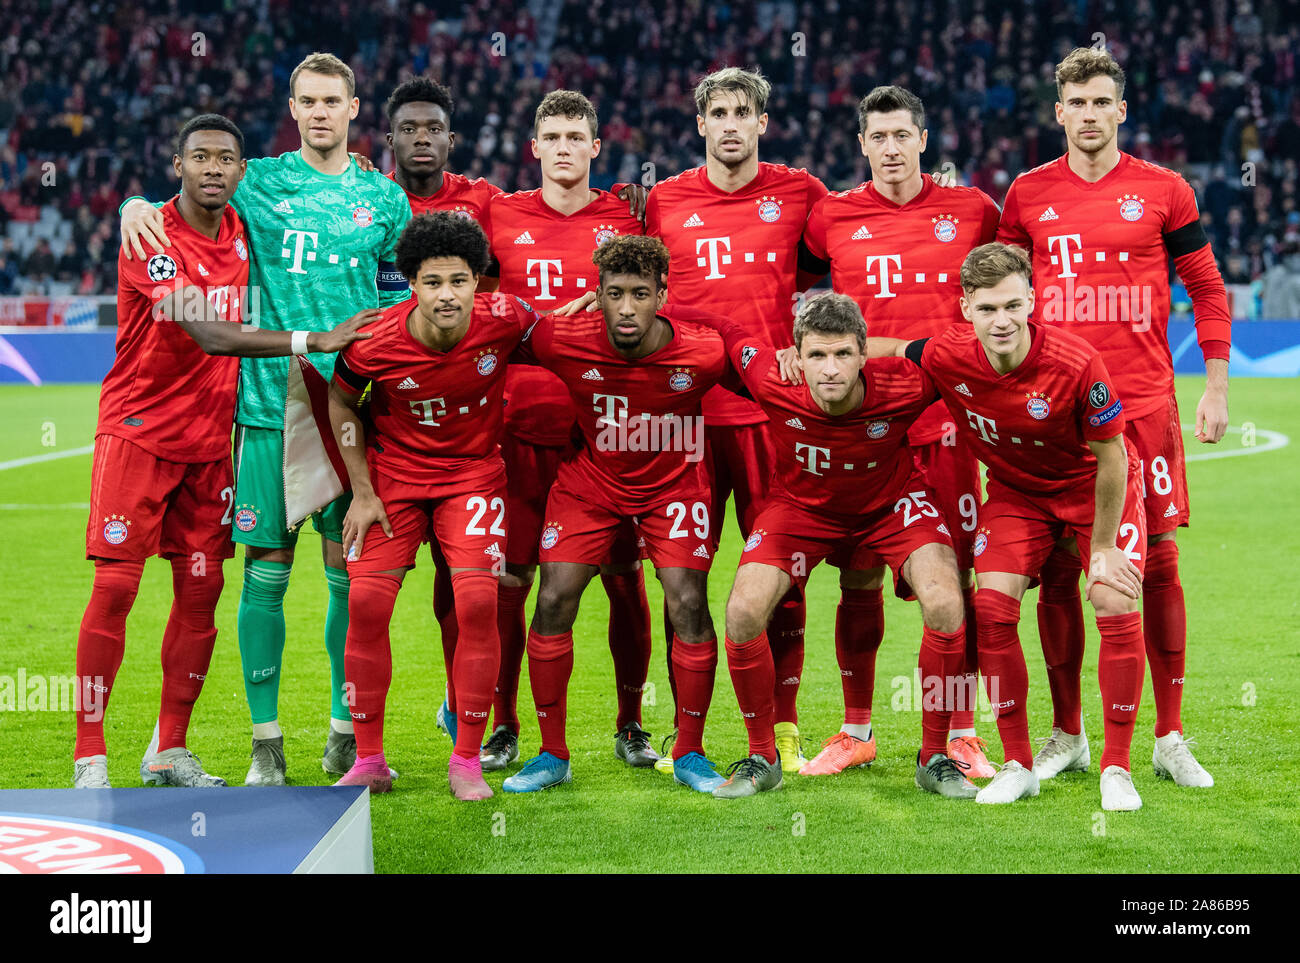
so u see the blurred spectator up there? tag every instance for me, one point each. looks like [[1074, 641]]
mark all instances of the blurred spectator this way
[[40, 264], [1280, 288]]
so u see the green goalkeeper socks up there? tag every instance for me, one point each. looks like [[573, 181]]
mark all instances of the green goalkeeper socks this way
[[336, 637], [261, 635]]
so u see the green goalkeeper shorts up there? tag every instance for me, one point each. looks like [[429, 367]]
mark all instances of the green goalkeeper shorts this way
[[259, 514]]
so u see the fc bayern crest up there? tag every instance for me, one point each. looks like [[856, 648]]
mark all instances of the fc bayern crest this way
[[487, 364], [362, 216], [1039, 406], [769, 209], [878, 429], [246, 519], [981, 543], [604, 232], [115, 531], [161, 268], [1130, 207], [240, 249], [463, 213], [945, 228], [550, 537], [755, 539], [680, 379]]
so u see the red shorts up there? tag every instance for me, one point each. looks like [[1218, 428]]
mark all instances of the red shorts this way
[[466, 518], [143, 505], [1017, 531], [952, 473], [1158, 438], [739, 459], [582, 528], [796, 539], [531, 471]]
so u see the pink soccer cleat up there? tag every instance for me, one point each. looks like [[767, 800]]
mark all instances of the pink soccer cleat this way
[[369, 771], [968, 753], [465, 777]]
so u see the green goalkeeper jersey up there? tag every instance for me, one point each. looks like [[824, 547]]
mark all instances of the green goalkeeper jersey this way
[[322, 249]]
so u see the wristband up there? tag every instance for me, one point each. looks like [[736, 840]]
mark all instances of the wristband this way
[[133, 197], [299, 342]]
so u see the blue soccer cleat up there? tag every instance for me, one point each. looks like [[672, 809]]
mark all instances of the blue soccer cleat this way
[[447, 720], [696, 772], [540, 772]]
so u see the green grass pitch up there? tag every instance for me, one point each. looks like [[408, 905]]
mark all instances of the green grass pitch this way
[[1238, 561]]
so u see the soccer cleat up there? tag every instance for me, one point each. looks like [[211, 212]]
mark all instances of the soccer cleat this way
[[91, 773], [500, 750], [696, 772], [369, 771], [942, 776], [968, 753], [540, 772], [789, 747], [749, 777], [841, 751], [664, 763], [632, 745], [267, 768], [176, 767], [1062, 752], [340, 752], [446, 720], [1173, 759], [465, 776], [1117, 792], [1012, 782]]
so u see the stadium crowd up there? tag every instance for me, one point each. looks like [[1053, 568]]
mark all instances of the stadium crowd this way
[[1212, 92]]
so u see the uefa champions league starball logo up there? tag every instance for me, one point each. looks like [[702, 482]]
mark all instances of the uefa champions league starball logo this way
[[945, 227], [1130, 207]]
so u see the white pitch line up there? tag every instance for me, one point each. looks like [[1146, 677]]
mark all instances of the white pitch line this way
[[1270, 441], [49, 456], [21, 507]]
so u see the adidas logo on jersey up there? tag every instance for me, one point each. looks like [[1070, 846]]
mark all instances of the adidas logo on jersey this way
[[701, 552], [961, 389], [861, 234], [525, 238], [407, 383], [283, 207], [944, 528], [1049, 215], [592, 375], [693, 221], [1171, 511], [494, 550], [795, 423]]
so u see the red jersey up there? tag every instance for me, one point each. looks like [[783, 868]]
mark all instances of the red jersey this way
[[458, 194], [1101, 265], [640, 419], [839, 465], [736, 255], [1032, 425], [163, 392], [545, 257], [435, 414], [902, 262]]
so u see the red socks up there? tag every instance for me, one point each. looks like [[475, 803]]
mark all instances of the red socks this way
[[1005, 677], [963, 713], [1060, 628], [629, 640], [786, 631], [669, 635], [550, 663], [187, 647], [1164, 624], [444, 610], [694, 666], [1119, 672], [752, 673], [100, 645], [478, 655], [859, 629], [368, 657], [942, 662], [514, 634]]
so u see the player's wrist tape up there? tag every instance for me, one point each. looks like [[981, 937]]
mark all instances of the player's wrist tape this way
[[134, 197], [299, 342]]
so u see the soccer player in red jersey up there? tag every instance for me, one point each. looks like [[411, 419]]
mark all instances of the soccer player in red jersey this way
[[161, 483], [846, 490], [1041, 411], [542, 242], [637, 375], [895, 244], [732, 229], [1101, 226], [430, 467]]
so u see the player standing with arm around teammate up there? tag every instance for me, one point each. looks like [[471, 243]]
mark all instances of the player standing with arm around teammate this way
[[1101, 226]]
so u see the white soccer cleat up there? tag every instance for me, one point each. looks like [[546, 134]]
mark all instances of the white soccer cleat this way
[[1117, 792], [1172, 759], [1062, 752], [91, 772], [1012, 782]]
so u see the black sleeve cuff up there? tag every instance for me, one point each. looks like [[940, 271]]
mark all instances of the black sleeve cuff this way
[[914, 351], [1186, 239]]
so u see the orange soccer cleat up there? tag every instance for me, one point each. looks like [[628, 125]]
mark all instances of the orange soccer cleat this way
[[840, 752], [968, 753]]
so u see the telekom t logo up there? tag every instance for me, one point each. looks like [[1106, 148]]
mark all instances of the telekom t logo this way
[[987, 427], [713, 259], [547, 270], [812, 458], [429, 410], [298, 244], [884, 260], [1063, 256], [607, 408]]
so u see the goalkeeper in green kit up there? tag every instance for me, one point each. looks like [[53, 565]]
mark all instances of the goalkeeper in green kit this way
[[323, 233]]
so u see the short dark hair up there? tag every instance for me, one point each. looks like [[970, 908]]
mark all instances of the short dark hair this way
[[636, 254], [886, 100], [989, 265], [441, 234], [1082, 64], [208, 122], [420, 90], [565, 103], [830, 313]]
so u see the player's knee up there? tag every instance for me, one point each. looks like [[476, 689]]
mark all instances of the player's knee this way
[[943, 611], [557, 607], [744, 618], [1107, 601]]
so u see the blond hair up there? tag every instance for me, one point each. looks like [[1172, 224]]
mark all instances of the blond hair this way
[[989, 264], [749, 84], [327, 64]]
